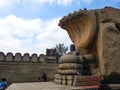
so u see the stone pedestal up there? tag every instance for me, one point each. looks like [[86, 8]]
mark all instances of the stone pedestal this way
[[75, 80], [64, 79], [75, 70]]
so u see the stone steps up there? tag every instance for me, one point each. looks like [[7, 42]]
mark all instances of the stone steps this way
[[86, 80], [78, 81]]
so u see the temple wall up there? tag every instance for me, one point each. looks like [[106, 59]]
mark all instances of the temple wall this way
[[26, 72], [18, 57], [2, 56], [26, 67], [9, 57]]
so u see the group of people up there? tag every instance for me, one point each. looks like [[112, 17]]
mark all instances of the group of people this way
[[3, 84]]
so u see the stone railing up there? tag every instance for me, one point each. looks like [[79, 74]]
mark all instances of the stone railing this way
[[9, 57]]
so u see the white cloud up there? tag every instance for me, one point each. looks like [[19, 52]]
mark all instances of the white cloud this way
[[52, 34], [112, 0], [20, 26], [87, 1], [6, 3], [11, 3], [45, 1], [60, 2], [65, 2], [31, 36], [10, 44]]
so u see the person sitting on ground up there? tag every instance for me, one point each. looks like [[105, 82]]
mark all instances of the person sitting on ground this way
[[3, 84], [39, 80], [44, 77]]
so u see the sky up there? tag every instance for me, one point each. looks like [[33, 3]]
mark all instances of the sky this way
[[31, 26]]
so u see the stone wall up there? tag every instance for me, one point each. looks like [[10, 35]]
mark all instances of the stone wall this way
[[16, 72], [26, 67], [9, 57]]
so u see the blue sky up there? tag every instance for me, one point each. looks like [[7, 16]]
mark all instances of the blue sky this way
[[31, 26]]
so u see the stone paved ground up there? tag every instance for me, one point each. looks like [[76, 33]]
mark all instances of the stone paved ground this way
[[41, 86], [35, 86]]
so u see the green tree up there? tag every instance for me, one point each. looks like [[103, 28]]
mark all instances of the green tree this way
[[61, 49]]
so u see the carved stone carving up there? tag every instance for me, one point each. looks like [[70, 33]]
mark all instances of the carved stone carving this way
[[96, 35]]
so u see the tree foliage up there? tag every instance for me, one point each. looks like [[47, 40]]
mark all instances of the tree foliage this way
[[61, 49]]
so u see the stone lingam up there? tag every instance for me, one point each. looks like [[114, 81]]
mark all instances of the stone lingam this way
[[96, 36]]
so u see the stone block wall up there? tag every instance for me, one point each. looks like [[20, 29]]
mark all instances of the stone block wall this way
[[25, 68], [9, 57], [19, 72]]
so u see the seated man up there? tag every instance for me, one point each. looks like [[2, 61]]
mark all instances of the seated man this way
[[3, 84], [44, 77]]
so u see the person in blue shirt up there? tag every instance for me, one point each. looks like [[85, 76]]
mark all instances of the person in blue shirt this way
[[3, 84]]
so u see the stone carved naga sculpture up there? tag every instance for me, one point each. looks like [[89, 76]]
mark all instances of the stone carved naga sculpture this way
[[79, 26], [96, 34]]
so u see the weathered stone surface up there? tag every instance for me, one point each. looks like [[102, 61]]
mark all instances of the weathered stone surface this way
[[2, 56], [54, 86], [63, 79], [71, 58], [26, 57], [86, 80], [18, 57], [109, 46], [70, 66], [81, 27], [9, 57], [34, 58], [96, 33], [67, 71], [42, 58], [16, 72]]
